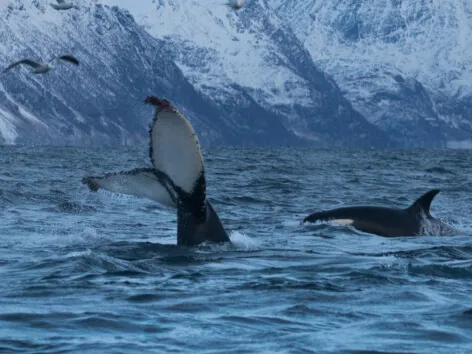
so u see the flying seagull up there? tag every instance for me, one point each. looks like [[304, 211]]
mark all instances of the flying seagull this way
[[39, 68], [62, 5], [235, 4]]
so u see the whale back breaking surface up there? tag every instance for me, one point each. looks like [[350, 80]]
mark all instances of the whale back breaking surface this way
[[388, 222], [383, 221]]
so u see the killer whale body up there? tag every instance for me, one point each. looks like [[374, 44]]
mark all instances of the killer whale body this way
[[176, 180], [384, 221]]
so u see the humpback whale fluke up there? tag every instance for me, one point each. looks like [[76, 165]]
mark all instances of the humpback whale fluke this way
[[390, 222], [177, 178]]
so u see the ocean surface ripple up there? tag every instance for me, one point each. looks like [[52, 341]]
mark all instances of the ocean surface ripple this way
[[96, 272]]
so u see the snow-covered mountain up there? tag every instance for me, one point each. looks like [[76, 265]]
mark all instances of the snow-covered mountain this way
[[321, 72], [405, 65], [101, 100], [242, 77]]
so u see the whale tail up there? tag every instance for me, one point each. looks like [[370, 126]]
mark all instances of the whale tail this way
[[193, 226], [422, 205], [176, 180], [208, 229], [139, 182]]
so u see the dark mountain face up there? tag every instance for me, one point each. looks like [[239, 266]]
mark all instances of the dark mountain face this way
[[405, 66], [100, 101]]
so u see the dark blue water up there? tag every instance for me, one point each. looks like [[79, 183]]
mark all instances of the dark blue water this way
[[95, 272]]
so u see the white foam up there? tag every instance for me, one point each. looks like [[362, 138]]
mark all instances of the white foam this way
[[76, 254], [89, 231], [244, 242], [393, 262], [292, 223]]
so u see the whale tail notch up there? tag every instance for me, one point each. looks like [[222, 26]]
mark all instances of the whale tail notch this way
[[423, 203]]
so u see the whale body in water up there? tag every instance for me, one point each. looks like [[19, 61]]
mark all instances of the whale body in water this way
[[390, 222]]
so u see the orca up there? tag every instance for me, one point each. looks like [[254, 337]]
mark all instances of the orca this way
[[176, 178], [389, 222]]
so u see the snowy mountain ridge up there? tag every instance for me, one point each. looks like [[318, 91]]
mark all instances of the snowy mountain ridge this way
[[324, 73], [282, 98], [402, 64], [221, 51]]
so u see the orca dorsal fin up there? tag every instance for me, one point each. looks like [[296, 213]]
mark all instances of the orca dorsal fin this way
[[423, 203]]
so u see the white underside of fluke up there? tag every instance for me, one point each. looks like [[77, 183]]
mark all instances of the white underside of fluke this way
[[139, 183], [175, 149]]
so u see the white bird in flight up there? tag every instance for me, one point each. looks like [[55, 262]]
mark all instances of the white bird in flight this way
[[39, 68], [62, 5]]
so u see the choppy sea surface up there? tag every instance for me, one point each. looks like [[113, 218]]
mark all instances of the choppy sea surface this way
[[95, 272]]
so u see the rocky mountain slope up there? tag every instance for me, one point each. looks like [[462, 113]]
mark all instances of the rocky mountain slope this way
[[406, 66], [242, 77]]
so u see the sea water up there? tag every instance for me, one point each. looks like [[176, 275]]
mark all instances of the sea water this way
[[97, 272]]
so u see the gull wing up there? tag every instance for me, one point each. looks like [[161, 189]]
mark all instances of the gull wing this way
[[23, 61], [69, 58]]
